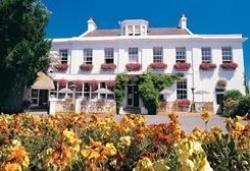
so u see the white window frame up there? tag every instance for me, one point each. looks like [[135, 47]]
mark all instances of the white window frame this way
[[158, 54], [181, 89], [109, 55], [137, 30], [87, 56], [227, 54], [130, 30], [206, 54], [181, 54], [133, 54], [35, 97], [63, 56]]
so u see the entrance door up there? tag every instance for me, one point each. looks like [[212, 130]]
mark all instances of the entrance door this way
[[43, 99], [133, 96]]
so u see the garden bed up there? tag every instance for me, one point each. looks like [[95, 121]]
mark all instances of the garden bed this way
[[80, 142]]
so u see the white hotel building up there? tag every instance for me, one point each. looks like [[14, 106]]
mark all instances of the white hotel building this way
[[210, 63]]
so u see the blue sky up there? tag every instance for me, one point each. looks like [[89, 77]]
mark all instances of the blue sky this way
[[69, 17]]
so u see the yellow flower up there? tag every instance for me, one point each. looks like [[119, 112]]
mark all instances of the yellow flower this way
[[12, 167], [144, 164], [206, 116], [124, 141], [71, 137], [110, 149]]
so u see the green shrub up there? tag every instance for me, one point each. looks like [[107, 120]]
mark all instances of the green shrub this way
[[223, 155], [243, 107], [231, 102]]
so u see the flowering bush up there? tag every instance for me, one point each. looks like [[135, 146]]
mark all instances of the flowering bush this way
[[207, 66], [158, 65], [108, 67], [133, 66], [182, 66], [229, 65], [90, 142], [61, 67], [183, 103], [86, 67]]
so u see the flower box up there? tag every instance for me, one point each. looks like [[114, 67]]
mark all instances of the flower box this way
[[93, 84], [86, 67], [62, 83], [111, 84], [78, 84], [158, 65], [207, 66], [61, 67], [108, 67], [133, 66], [183, 103], [229, 65], [182, 66]]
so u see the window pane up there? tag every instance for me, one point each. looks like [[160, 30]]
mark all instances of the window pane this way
[[109, 55], [227, 54], [206, 54], [133, 55], [158, 54], [181, 89], [180, 54], [63, 55], [87, 56], [137, 30]]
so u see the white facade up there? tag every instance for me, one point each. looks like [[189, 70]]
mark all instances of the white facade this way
[[138, 34]]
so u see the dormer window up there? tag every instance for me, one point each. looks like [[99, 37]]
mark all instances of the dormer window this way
[[130, 30], [134, 27], [137, 31]]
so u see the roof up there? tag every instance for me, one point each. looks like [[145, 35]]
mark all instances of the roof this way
[[151, 31]]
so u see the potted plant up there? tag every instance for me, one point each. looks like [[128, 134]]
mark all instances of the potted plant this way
[[158, 65], [108, 67], [207, 66], [111, 84], [133, 66], [86, 67], [229, 65], [182, 66], [61, 67]]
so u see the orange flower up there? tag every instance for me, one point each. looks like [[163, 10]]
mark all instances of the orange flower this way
[[19, 155], [12, 167]]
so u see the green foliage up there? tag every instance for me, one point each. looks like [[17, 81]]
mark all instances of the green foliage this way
[[121, 81], [223, 155], [24, 50], [148, 93], [149, 87], [232, 94], [243, 107]]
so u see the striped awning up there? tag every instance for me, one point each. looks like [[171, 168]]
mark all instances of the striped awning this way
[[43, 82]]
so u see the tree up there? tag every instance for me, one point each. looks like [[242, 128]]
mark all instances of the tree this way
[[24, 50], [231, 100]]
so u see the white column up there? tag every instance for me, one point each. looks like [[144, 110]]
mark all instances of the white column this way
[[78, 106], [52, 107]]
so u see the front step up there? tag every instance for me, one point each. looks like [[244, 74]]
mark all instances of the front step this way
[[132, 110]]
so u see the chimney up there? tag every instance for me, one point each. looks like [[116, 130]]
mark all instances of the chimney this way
[[183, 22], [91, 25]]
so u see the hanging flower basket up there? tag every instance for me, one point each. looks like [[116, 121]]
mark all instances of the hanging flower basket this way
[[207, 66], [111, 84], [229, 65], [93, 84], [183, 103], [158, 65], [221, 83], [182, 66], [133, 66], [61, 67], [86, 67], [108, 67], [62, 83], [78, 84]]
